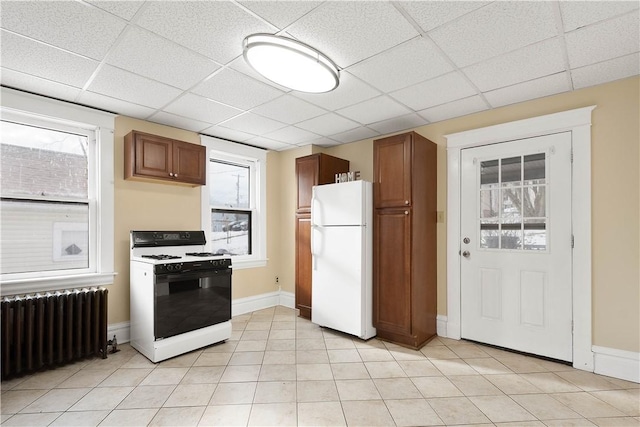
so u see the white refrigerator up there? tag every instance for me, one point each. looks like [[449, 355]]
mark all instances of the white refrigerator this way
[[341, 250]]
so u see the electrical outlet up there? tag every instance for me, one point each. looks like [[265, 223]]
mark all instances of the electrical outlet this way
[[440, 217]]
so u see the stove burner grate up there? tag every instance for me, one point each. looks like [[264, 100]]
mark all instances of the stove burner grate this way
[[161, 256], [201, 254]]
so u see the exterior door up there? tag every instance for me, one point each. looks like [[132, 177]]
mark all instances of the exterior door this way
[[516, 245]]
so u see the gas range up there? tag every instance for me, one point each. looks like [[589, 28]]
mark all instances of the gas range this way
[[180, 294]]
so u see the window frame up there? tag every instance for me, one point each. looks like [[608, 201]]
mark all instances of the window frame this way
[[256, 159], [35, 110]]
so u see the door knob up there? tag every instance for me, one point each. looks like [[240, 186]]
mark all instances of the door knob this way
[[466, 254]]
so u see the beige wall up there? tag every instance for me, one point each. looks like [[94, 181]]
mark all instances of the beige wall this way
[[615, 198]]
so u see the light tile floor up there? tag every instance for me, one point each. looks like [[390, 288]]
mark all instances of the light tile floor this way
[[278, 369]]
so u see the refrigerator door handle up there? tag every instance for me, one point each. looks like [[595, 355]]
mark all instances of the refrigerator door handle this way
[[313, 252]]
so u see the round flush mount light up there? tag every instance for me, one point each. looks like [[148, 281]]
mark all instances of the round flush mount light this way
[[290, 63]]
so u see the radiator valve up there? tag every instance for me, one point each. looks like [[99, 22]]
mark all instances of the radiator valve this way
[[113, 344]]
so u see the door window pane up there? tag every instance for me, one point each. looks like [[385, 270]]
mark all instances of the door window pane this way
[[489, 173], [510, 169], [511, 204], [534, 201], [535, 235], [489, 202], [489, 235], [534, 169]]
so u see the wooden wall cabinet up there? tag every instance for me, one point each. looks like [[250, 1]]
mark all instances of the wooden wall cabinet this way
[[315, 169], [404, 235], [158, 158]]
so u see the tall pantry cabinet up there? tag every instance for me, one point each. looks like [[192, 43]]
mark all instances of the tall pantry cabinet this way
[[315, 169], [404, 234]]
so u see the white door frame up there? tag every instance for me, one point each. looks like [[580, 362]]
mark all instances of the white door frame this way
[[578, 122]]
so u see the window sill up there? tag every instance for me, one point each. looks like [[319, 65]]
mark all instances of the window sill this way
[[44, 284], [240, 264]]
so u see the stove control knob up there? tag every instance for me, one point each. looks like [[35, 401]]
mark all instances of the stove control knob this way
[[214, 262]]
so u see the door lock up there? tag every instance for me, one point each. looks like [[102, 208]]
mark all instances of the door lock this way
[[466, 254], [466, 240]]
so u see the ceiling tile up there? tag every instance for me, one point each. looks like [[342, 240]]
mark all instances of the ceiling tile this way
[[130, 87], [31, 57], [576, 14], [374, 110], [213, 28], [70, 25], [200, 108], [239, 64], [606, 40], [518, 66], [280, 13], [533, 89], [291, 135], [397, 124], [432, 14], [145, 53], [123, 9], [349, 92], [607, 71], [178, 121], [458, 108], [355, 135], [495, 29], [270, 144], [404, 65], [252, 123], [349, 32], [288, 109], [115, 105], [322, 142], [226, 133], [328, 124], [236, 89], [437, 91], [35, 84]]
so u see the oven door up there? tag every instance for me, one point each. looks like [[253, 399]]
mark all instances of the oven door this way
[[187, 301]]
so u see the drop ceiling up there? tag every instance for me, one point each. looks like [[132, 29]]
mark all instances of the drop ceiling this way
[[403, 64]]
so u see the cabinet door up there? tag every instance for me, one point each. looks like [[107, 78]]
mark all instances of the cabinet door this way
[[392, 166], [189, 162], [392, 271], [153, 156], [303, 265], [307, 170]]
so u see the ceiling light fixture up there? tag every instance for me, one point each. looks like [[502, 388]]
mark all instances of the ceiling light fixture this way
[[290, 63]]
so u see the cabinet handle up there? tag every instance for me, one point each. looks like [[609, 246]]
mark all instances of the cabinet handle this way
[[170, 173], [175, 175], [406, 202], [406, 212]]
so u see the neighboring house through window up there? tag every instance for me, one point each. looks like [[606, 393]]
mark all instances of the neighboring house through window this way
[[56, 188], [234, 205]]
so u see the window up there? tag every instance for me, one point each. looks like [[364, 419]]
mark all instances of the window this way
[[512, 203], [234, 206], [56, 195]]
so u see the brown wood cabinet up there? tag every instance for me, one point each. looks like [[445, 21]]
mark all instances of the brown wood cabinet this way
[[315, 169], [404, 235], [155, 157]]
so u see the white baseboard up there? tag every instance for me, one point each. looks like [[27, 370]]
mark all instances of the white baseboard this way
[[253, 303], [287, 299], [441, 325], [616, 363], [120, 330]]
